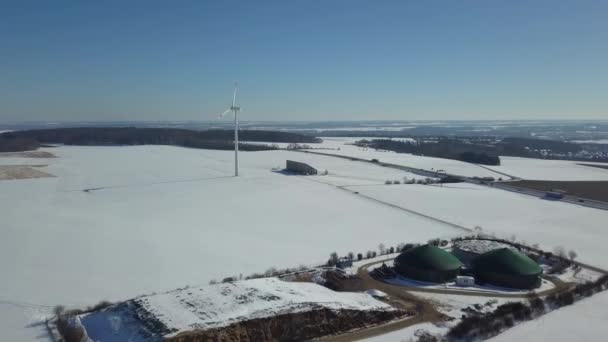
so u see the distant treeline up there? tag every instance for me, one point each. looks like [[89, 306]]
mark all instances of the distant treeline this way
[[10, 142], [483, 150], [442, 148], [92, 136]]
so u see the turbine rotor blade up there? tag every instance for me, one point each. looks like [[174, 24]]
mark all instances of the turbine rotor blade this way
[[234, 96], [224, 113]]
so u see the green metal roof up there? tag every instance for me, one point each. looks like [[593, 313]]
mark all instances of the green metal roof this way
[[429, 258], [506, 261]]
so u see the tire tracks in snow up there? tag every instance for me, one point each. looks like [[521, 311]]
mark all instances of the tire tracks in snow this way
[[394, 206]]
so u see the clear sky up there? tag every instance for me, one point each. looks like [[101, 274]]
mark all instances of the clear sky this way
[[303, 60]]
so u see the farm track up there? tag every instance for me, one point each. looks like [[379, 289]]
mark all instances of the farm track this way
[[425, 311], [409, 211], [559, 286]]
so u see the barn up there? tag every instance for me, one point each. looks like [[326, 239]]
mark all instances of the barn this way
[[507, 268], [428, 263], [300, 168]]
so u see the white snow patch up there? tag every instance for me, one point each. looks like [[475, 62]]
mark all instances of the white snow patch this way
[[530, 219], [214, 306], [160, 217], [551, 170], [582, 321]]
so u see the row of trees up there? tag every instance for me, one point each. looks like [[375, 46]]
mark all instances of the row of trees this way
[[477, 327], [210, 139], [425, 181], [449, 148], [370, 254], [10, 142]]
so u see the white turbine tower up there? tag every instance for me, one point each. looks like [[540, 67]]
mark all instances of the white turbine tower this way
[[235, 109]]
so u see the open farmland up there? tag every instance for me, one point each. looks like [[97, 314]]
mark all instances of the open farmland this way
[[507, 214], [117, 222], [595, 190], [524, 168], [421, 162], [583, 321], [551, 170]]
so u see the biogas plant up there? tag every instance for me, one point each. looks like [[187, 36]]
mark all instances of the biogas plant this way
[[473, 264]]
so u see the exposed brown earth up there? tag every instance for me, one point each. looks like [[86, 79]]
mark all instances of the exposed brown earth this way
[[28, 154], [10, 172], [292, 327], [594, 190]]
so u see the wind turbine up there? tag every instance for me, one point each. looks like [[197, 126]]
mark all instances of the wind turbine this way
[[235, 109]]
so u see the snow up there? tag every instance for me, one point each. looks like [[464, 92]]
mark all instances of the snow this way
[[599, 141], [405, 159], [525, 168], [507, 214], [551, 170], [164, 217], [408, 334], [376, 293], [214, 306], [402, 281], [488, 289], [582, 321], [450, 305], [582, 275], [480, 246]]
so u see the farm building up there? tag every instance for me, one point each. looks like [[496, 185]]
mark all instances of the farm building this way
[[507, 267], [300, 168], [428, 263], [465, 281]]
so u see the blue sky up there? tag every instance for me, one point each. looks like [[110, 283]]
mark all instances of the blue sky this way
[[303, 60]]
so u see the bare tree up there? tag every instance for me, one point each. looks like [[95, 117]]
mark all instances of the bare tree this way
[[478, 230], [572, 255], [59, 310], [333, 259], [381, 249], [351, 255], [560, 251]]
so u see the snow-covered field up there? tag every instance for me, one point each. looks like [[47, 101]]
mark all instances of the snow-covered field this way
[[534, 220], [213, 306], [553, 170], [157, 218], [525, 168], [427, 163], [583, 321]]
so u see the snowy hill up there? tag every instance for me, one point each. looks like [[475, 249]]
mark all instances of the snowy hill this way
[[214, 306]]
